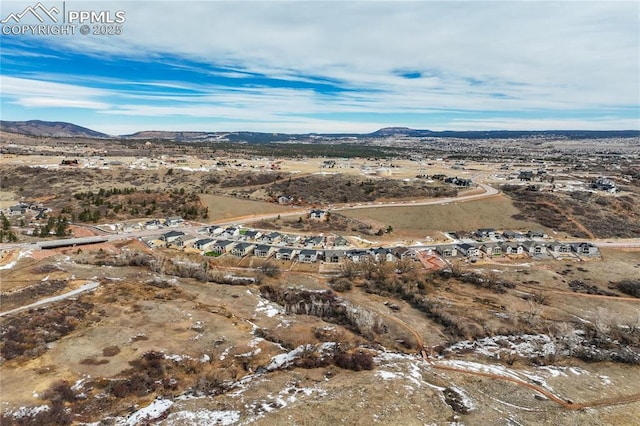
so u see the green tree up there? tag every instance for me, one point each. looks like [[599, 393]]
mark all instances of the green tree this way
[[5, 222]]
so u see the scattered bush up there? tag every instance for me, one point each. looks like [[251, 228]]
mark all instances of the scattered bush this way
[[356, 361], [111, 351], [341, 284], [94, 361], [630, 287]]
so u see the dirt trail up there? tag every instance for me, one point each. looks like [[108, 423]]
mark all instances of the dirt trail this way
[[558, 400], [571, 219]]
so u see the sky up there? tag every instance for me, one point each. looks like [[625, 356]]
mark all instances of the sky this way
[[324, 66]]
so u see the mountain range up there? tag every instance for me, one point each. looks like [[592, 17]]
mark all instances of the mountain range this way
[[61, 129]]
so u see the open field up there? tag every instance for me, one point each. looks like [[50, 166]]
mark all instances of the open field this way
[[493, 212], [221, 207]]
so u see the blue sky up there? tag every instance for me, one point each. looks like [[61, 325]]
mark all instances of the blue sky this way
[[293, 66]]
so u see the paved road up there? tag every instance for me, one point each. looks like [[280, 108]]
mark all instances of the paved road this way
[[489, 191]]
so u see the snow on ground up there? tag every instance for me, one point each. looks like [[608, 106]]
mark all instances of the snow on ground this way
[[498, 370], [23, 253], [270, 309], [202, 417], [387, 375], [29, 411], [152, 411], [284, 360], [526, 345]]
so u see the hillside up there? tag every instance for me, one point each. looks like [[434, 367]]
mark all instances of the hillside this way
[[49, 128]]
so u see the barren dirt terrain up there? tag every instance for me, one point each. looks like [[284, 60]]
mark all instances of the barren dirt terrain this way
[[224, 344]]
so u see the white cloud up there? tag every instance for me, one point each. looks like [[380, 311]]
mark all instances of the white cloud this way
[[38, 93], [582, 53], [472, 56]]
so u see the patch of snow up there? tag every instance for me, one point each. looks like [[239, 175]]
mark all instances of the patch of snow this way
[[578, 371], [526, 345], [553, 370], [224, 353], [606, 380], [13, 263], [464, 398], [387, 375], [152, 411], [29, 411], [203, 417]]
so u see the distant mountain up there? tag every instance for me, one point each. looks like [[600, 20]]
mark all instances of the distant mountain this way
[[505, 134], [399, 131], [60, 129], [49, 128]]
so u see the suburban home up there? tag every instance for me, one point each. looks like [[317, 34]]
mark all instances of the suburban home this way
[[560, 248], [537, 234], [18, 209], [262, 250], [290, 239], [512, 235], [152, 224], [215, 230], [313, 241], [334, 256], [242, 249], [186, 240], [286, 254], [358, 255], [316, 214], [404, 253], [222, 246], [486, 233], [204, 244], [252, 235], [382, 254], [308, 256], [585, 249], [285, 199], [491, 249], [447, 251], [534, 248], [173, 221], [512, 248], [271, 238], [171, 236], [231, 232], [468, 250], [459, 181]]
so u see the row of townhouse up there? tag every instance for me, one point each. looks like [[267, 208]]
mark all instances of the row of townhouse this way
[[530, 248], [221, 246], [507, 234], [274, 237], [179, 239]]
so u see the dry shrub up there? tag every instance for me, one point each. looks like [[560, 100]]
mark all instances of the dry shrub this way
[[94, 361], [111, 351], [356, 361]]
